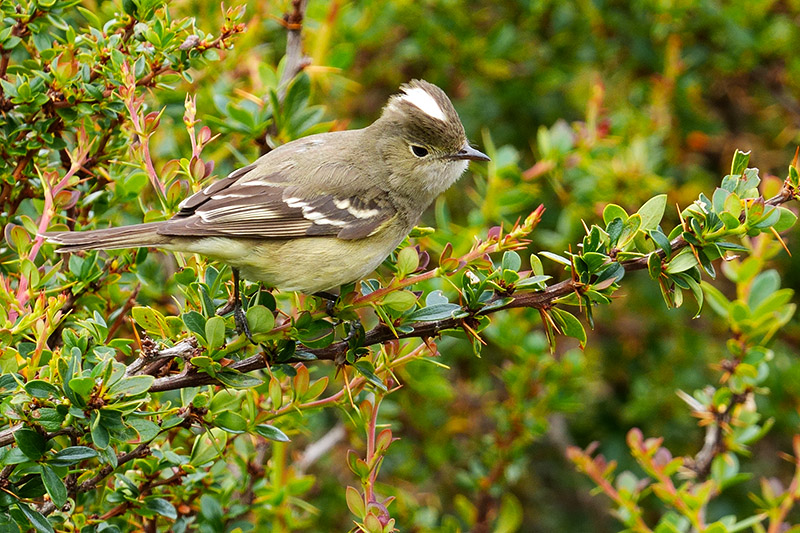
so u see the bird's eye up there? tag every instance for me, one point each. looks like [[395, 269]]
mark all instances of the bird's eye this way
[[419, 151]]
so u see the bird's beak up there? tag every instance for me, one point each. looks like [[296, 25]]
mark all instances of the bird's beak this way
[[469, 153]]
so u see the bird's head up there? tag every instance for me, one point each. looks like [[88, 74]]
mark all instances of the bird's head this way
[[422, 137]]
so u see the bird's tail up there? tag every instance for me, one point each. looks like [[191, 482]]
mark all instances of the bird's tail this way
[[134, 236]]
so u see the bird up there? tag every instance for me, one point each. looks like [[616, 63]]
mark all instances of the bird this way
[[317, 212]]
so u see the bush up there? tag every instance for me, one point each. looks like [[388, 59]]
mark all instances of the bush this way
[[128, 404]]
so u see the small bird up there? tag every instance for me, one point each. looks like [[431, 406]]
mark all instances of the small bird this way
[[317, 212]]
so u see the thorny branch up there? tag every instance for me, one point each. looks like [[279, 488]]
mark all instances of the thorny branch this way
[[295, 60], [381, 333], [142, 450]]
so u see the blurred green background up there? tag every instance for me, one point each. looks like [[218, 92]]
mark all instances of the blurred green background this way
[[587, 103], [582, 104]]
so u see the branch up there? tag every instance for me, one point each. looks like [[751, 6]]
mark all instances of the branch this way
[[295, 60], [142, 450], [295, 63], [381, 333]]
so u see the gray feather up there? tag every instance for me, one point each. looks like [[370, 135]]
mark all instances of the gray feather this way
[[108, 239]]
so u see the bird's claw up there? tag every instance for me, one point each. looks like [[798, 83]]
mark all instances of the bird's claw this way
[[235, 305], [240, 319]]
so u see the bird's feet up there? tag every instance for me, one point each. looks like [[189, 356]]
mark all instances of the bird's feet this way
[[235, 304], [240, 319], [355, 330]]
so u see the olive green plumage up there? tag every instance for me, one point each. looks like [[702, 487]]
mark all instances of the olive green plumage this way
[[320, 211]]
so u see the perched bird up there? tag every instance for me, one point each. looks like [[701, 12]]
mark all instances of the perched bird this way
[[320, 211]]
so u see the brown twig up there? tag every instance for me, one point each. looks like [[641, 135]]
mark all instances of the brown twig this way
[[382, 334], [296, 61], [20, 29], [142, 450], [144, 489]]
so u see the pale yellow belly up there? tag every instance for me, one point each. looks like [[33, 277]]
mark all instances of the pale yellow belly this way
[[308, 264]]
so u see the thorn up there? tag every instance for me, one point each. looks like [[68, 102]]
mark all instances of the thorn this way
[[347, 386], [472, 332], [572, 264], [546, 317], [780, 240], [680, 217]]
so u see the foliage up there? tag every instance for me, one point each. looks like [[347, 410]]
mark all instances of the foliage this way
[[128, 404]]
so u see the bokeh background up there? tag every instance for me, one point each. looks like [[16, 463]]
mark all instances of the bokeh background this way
[[587, 103], [582, 104]]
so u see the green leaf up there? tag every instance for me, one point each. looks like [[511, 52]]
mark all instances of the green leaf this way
[[151, 321], [7, 523], [718, 302], [366, 369], [729, 221], [555, 257], [37, 519], [100, 435], [762, 287], [41, 389], [681, 262], [355, 502], [196, 323], [739, 163], [786, 220], [614, 230], [407, 261], [500, 302], [509, 519], [613, 273], [82, 386], [732, 207], [773, 302], [768, 219], [237, 380], [536, 265], [72, 455], [570, 325], [594, 261], [162, 507], [749, 522], [532, 280], [654, 266], [51, 419], [399, 300], [271, 433], [208, 446], [260, 319], [511, 261], [652, 212], [434, 312], [30, 443], [215, 332], [629, 229], [89, 15], [613, 211], [54, 486], [131, 386], [230, 422], [718, 199], [317, 334], [697, 292], [146, 429]]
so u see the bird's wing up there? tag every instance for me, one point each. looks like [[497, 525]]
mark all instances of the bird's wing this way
[[247, 205]]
